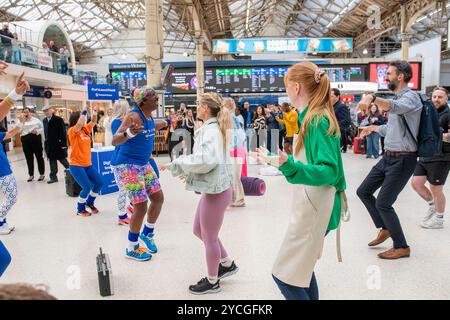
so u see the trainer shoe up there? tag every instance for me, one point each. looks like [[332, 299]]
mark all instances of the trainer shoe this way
[[204, 287], [84, 213], [139, 253], [5, 229], [433, 223], [123, 222], [227, 271], [429, 214], [92, 208], [149, 242]]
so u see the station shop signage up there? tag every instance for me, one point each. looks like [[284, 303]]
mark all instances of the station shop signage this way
[[35, 92], [103, 92], [282, 45], [37, 59]]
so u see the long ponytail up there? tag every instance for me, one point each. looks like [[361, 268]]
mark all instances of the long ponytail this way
[[215, 103], [317, 84]]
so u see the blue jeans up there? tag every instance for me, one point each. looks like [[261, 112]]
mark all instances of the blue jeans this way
[[88, 178], [5, 258], [291, 292], [373, 144]]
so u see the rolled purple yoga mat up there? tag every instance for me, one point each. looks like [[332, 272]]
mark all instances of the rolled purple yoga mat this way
[[253, 186]]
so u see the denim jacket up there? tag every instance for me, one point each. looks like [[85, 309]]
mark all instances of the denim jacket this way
[[208, 168]]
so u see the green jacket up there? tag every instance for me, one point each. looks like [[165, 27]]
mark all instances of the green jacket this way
[[324, 166]]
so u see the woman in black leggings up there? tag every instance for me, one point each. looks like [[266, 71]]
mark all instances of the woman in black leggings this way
[[31, 138]]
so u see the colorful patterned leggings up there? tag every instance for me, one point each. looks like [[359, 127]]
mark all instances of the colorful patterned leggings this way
[[8, 195]]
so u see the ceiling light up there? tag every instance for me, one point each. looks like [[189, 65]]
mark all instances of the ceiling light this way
[[365, 51], [124, 56]]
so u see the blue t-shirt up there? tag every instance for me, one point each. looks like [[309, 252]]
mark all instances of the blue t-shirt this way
[[5, 168], [115, 125], [138, 149]]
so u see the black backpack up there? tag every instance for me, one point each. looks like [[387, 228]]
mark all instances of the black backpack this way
[[429, 139]]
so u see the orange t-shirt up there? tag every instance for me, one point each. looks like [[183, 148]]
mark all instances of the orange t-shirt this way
[[80, 143]]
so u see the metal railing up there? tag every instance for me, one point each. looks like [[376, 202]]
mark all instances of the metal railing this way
[[22, 53]]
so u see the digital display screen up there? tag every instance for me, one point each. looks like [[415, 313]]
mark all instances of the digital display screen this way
[[378, 75], [254, 79], [127, 80], [259, 79]]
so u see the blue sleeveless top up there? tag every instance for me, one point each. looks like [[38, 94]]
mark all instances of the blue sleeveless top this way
[[138, 149], [115, 125]]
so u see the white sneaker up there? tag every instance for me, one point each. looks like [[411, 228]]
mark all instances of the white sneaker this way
[[429, 214], [433, 223], [6, 229]]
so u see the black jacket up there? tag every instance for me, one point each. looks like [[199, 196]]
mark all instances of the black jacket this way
[[444, 122], [342, 114], [7, 37], [244, 114], [55, 138]]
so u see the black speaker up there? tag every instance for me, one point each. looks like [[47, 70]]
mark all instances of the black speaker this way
[[105, 281]]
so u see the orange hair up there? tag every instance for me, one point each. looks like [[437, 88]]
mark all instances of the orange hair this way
[[320, 104]]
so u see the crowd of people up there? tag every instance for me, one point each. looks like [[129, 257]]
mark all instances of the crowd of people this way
[[210, 164], [11, 46]]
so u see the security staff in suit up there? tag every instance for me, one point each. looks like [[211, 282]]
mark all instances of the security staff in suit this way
[[55, 142]]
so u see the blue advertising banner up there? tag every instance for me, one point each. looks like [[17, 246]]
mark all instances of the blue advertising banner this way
[[101, 160], [103, 92], [305, 45]]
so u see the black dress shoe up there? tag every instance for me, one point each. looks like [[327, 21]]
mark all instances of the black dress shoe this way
[[52, 181], [41, 178]]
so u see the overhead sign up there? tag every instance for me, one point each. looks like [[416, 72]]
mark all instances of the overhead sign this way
[[124, 66], [103, 92], [304, 45], [35, 92]]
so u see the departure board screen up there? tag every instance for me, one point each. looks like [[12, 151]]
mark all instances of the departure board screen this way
[[258, 79], [127, 80]]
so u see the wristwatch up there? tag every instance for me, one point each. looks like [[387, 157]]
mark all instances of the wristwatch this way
[[125, 134], [374, 97]]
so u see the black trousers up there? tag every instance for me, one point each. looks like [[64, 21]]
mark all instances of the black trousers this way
[[54, 167], [391, 174], [32, 147], [344, 139]]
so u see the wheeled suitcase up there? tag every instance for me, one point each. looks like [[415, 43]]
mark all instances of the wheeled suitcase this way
[[72, 187], [253, 186], [359, 145], [105, 280]]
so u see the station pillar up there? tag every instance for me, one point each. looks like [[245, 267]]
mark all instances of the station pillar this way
[[404, 34], [154, 42], [200, 66]]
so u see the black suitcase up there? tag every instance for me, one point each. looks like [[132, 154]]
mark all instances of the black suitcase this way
[[104, 271], [72, 187]]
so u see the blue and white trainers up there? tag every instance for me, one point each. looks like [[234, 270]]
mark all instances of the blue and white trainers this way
[[149, 242], [139, 253]]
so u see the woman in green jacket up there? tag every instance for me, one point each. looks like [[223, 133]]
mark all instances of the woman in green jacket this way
[[315, 169]]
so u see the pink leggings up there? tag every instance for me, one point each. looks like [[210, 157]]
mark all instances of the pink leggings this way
[[207, 224]]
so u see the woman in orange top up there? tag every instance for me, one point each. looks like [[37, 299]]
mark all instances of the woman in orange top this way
[[80, 161]]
